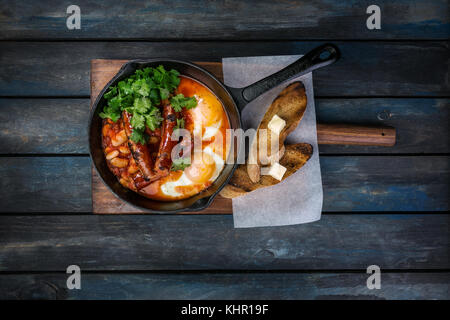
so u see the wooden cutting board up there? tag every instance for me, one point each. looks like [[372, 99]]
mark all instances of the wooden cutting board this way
[[105, 202]]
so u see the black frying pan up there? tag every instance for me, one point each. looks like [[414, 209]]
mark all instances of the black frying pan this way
[[233, 99]]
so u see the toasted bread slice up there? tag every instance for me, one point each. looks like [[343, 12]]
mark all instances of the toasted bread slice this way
[[295, 156], [289, 105]]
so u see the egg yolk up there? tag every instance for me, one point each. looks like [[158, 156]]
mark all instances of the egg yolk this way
[[209, 110], [202, 168], [207, 113]]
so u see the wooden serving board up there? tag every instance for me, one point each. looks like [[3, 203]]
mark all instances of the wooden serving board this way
[[104, 202]]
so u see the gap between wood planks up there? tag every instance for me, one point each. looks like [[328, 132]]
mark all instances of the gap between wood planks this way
[[328, 213], [274, 40], [86, 155], [315, 97]]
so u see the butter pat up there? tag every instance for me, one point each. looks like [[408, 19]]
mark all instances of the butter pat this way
[[277, 171], [276, 124]]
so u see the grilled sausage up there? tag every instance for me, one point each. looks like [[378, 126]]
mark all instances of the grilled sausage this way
[[140, 182], [163, 160], [140, 152]]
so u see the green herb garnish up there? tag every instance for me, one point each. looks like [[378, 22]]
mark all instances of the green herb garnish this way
[[140, 95], [180, 163], [180, 124], [179, 101]]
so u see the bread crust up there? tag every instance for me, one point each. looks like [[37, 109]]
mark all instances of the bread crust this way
[[295, 157], [290, 105]]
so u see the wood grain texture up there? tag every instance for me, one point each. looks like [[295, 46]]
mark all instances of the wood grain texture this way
[[45, 184], [225, 286], [351, 183], [36, 126], [422, 125], [198, 242], [365, 69], [346, 134], [403, 183], [249, 20], [60, 125], [414, 74]]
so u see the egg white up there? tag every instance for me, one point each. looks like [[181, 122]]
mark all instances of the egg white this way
[[217, 160], [211, 131], [169, 188]]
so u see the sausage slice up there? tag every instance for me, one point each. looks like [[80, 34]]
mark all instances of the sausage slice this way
[[140, 152], [163, 160]]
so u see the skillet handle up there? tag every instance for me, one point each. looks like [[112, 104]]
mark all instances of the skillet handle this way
[[317, 58]]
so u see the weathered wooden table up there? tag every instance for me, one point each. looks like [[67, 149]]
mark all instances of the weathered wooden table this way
[[382, 206]]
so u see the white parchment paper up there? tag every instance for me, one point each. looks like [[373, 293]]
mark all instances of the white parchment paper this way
[[297, 199]]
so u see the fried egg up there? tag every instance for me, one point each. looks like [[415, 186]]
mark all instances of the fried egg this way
[[208, 124], [203, 170]]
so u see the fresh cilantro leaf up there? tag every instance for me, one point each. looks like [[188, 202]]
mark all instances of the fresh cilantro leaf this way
[[124, 88], [137, 121], [112, 110], [180, 101], [144, 90], [180, 163], [142, 105], [115, 102], [146, 72], [174, 77], [138, 136], [155, 96], [151, 83], [164, 93], [111, 115], [180, 124], [141, 87], [174, 73], [153, 119], [139, 73], [158, 74], [140, 94], [191, 102], [111, 93], [127, 101], [176, 102]]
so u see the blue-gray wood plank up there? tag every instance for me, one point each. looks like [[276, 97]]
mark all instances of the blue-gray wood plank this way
[[365, 69], [199, 242], [59, 125], [52, 184], [227, 286], [225, 20], [350, 183]]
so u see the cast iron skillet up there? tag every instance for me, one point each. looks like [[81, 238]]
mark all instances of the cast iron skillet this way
[[233, 99]]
